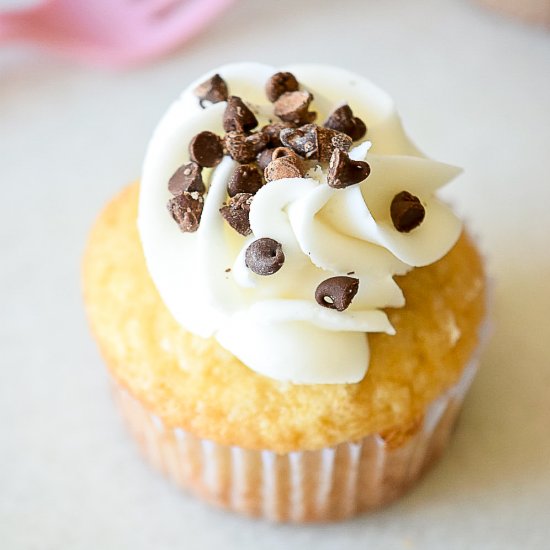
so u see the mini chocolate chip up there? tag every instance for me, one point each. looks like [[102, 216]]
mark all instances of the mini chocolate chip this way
[[314, 142], [236, 213], [273, 131], [360, 129], [214, 90], [258, 141], [281, 152], [302, 140], [186, 209], [206, 149], [342, 120], [243, 148], [337, 292], [264, 256], [280, 83], [264, 158], [406, 212], [186, 178], [237, 117], [280, 169], [285, 163], [238, 148], [329, 140], [245, 179], [343, 172], [293, 107]]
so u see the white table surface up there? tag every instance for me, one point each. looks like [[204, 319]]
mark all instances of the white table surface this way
[[473, 89]]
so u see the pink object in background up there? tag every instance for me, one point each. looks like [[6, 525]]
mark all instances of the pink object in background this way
[[532, 11], [110, 32]]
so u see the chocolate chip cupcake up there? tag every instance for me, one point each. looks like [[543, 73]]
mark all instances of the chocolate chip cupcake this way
[[294, 320]]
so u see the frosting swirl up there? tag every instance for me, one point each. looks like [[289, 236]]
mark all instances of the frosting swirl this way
[[274, 324]]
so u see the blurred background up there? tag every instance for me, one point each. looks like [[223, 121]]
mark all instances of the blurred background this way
[[473, 87]]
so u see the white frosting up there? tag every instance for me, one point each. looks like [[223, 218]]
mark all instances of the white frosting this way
[[273, 323]]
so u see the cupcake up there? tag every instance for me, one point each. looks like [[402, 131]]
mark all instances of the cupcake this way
[[289, 314]]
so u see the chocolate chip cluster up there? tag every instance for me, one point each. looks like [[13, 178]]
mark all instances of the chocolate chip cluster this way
[[285, 148]]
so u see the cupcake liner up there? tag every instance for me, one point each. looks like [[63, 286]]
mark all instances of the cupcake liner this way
[[322, 485], [533, 11]]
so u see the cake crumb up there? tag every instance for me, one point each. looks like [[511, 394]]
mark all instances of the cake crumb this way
[[452, 330]]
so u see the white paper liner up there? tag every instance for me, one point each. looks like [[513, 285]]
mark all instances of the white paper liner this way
[[323, 485]]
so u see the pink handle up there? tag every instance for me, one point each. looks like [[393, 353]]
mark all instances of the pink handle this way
[[147, 37], [187, 23], [14, 26]]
